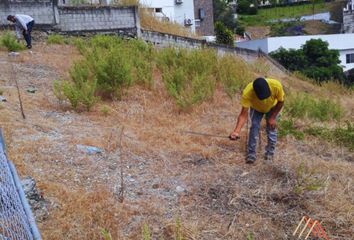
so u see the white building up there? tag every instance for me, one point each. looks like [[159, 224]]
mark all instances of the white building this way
[[349, 7], [180, 11], [344, 43]]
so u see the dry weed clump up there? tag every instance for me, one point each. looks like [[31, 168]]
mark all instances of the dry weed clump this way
[[151, 22]]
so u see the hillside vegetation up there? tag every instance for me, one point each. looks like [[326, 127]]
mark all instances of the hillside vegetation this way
[[154, 180]]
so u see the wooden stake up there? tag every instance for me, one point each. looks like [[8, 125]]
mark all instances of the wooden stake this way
[[298, 226], [303, 230], [18, 88], [313, 225]]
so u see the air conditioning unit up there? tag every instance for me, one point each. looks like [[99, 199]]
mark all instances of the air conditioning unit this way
[[188, 22], [179, 1]]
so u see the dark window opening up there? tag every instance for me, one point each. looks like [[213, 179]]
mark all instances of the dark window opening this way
[[158, 10], [350, 58], [201, 14]]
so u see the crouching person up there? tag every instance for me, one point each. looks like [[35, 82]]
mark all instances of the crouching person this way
[[262, 97], [23, 23]]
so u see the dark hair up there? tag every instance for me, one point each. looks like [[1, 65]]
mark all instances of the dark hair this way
[[10, 17]]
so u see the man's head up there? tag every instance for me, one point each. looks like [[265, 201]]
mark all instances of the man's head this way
[[11, 18], [261, 88]]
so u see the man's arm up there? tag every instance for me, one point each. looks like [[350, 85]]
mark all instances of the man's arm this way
[[242, 118], [18, 32], [273, 115]]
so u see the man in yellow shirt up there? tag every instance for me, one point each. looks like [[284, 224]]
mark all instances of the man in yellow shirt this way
[[264, 97]]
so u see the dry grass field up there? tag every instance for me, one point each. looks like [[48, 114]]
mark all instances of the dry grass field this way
[[202, 183]]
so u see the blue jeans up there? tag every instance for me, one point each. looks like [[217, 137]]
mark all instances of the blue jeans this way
[[27, 35], [256, 118]]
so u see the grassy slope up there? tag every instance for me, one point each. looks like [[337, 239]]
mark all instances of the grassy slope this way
[[224, 198], [268, 14]]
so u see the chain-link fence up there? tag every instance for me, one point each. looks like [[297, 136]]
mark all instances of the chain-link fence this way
[[16, 220]]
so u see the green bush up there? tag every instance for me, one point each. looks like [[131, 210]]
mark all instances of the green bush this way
[[109, 66], [223, 35], [142, 60], [9, 41], [188, 75], [340, 135], [233, 73], [286, 127], [306, 180], [55, 39], [304, 105], [80, 91]]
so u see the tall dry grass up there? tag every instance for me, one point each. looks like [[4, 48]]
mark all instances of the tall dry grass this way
[[150, 22]]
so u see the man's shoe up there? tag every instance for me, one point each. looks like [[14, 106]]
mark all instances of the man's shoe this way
[[29, 46], [250, 160], [268, 158]]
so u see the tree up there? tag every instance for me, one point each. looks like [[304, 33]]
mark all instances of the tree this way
[[224, 13], [223, 35], [314, 59]]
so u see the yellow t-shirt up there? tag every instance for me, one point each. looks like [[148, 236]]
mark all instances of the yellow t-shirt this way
[[250, 99]]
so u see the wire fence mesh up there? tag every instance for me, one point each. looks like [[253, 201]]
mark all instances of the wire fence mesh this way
[[15, 224]]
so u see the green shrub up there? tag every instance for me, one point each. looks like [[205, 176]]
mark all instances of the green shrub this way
[[304, 105], [80, 91], [111, 69], [188, 75], [306, 180], [340, 135], [286, 127], [55, 39], [142, 60], [9, 41], [233, 73], [223, 35]]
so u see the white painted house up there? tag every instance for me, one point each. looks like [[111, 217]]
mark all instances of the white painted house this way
[[342, 42], [180, 11]]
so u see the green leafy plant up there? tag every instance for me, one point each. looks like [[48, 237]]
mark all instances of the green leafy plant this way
[[286, 127], [8, 41], [306, 180], [55, 39], [223, 35]]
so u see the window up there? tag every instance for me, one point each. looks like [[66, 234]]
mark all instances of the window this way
[[158, 10], [350, 58]]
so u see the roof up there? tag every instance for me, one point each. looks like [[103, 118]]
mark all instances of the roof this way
[[335, 41]]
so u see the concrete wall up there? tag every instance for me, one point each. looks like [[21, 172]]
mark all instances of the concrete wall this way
[[40, 10], [254, 45], [74, 19], [104, 18], [166, 40]]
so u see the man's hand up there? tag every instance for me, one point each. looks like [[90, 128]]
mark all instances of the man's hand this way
[[234, 136], [272, 123]]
